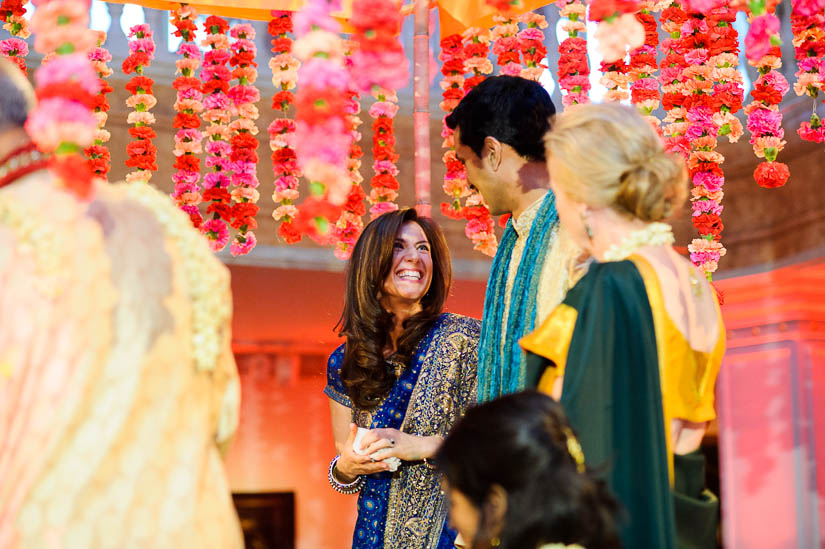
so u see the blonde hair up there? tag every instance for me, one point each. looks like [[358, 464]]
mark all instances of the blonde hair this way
[[612, 157]]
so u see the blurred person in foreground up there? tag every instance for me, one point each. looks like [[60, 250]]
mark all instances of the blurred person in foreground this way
[[515, 476], [118, 390]]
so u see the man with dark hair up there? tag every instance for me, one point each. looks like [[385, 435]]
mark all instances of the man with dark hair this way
[[499, 134]]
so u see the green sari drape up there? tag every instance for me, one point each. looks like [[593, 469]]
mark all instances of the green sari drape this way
[[612, 396]]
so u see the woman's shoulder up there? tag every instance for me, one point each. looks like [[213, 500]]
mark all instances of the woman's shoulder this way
[[454, 323]]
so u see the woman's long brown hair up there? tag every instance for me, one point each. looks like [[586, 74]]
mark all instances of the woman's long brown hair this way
[[367, 325]]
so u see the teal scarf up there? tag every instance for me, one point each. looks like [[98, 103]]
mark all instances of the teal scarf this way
[[501, 373]]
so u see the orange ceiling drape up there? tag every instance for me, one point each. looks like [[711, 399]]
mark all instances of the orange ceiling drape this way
[[454, 15]]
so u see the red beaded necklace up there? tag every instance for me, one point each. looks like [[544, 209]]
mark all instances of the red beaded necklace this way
[[20, 162]]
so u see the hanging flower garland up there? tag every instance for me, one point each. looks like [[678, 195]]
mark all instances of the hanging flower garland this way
[[480, 228], [531, 44], [723, 52], [141, 152], [808, 26], [574, 72], [284, 164], [12, 13], [505, 6], [98, 153], [618, 28], [215, 76], [505, 47], [642, 67], [350, 223], [188, 107], [384, 184], [244, 154], [674, 89], [766, 127], [322, 138], [455, 179], [703, 160], [379, 67], [62, 122]]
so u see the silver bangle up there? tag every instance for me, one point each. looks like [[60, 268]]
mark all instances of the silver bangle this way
[[352, 488]]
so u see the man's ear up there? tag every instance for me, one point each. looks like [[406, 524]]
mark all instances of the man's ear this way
[[493, 151]]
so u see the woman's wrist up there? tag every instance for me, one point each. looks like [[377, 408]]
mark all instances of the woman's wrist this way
[[342, 476], [429, 446]]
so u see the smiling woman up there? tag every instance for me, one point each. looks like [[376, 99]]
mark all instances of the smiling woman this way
[[405, 375]]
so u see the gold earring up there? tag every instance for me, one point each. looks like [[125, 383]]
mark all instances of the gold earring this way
[[495, 542]]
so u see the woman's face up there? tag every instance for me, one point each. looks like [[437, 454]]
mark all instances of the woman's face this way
[[464, 516], [570, 211], [412, 265]]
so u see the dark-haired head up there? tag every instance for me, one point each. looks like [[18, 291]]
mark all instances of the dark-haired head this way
[[499, 126], [393, 241], [512, 476]]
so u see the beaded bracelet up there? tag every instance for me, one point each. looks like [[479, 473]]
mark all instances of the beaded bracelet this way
[[352, 488]]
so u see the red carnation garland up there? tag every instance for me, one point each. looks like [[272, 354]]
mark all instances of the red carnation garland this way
[[244, 153], [674, 91], [284, 165], [455, 179], [574, 71], [215, 76], [531, 45], [142, 152], [808, 25], [505, 47], [98, 154], [642, 67], [350, 223], [384, 184], [764, 117], [188, 107], [480, 228]]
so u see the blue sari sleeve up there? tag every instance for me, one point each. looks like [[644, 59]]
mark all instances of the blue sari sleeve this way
[[335, 388]]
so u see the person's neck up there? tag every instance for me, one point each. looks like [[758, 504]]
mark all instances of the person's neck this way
[[610, 228], [401, 311], [533, 183], [12, 139]]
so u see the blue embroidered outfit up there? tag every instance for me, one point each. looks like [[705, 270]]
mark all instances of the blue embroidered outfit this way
[[407, 509]]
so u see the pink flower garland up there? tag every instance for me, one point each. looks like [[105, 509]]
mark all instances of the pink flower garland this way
[[244, 154], [573, 71], [480, 228], [12, 13], [142, 154], [384, 183], [350, 223], [62, 122], [216, 103], [378, 60], [281, 131], [505, 46], [455, 179], [188, 107], [322, 138], [674, 91], [99, 155], [642, 68], [766, 127], [808, 25], [531, 44]]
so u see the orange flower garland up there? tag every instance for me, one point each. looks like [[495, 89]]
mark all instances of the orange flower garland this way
[[531, 44], [142, 153], [574, 71], [284, 165], [505, 47], [642, 68], [99, 156]]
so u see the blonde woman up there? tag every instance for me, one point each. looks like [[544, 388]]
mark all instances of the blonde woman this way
[[633, 351]]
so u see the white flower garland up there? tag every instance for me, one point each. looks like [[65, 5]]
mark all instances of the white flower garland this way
[[655, 234]]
